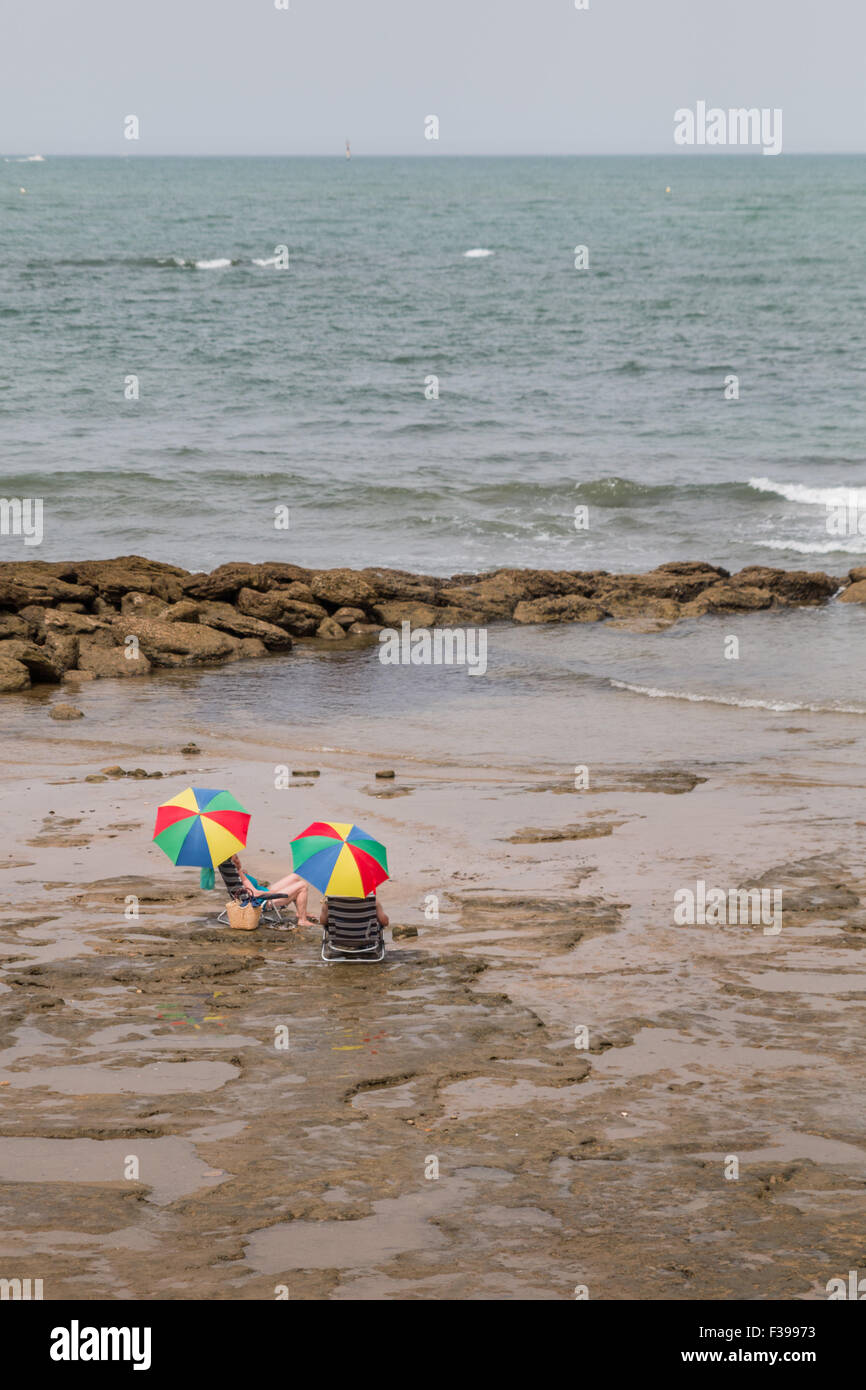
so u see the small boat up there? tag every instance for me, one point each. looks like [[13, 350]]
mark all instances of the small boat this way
[[348, 149]]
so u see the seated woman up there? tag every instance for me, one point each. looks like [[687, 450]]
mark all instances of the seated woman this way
[[291, 888]]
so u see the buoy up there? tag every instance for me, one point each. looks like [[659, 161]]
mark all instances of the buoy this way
[[667, 190]]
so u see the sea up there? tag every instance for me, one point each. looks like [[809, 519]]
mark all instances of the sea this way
[[451, 365]]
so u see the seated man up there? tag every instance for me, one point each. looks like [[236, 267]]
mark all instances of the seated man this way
[[291, 888], [353, 925]]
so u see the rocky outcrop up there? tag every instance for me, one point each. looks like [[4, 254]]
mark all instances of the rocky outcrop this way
[[71, 621]]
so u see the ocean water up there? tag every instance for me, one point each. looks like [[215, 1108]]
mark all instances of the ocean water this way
[[304, 388]]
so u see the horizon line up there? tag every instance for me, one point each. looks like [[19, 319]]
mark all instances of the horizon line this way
[[697, 153]]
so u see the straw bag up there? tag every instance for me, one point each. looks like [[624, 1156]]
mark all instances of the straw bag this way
[[243, 916]]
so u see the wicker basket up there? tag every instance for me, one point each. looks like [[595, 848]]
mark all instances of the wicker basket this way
[[243, 916]]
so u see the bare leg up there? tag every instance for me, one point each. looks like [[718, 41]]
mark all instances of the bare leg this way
[[293, 889]]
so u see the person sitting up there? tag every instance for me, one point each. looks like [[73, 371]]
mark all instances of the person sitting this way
[[291, 888], [353, 927]]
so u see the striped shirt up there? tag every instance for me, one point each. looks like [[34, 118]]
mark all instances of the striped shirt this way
[[352, 923]]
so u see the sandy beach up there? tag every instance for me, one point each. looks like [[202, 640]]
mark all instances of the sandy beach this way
[[567, 1160]]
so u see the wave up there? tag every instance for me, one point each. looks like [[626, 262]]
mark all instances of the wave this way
[[776, 706], [614, 491], [812, 496], [478, 252], [855, 546]]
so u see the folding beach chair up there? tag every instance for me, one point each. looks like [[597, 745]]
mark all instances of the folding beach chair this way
[[272, 915], [353, 933]]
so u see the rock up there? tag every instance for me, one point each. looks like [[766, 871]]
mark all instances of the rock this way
[[342, 588], [224, 618], [400, 584], [313, 772], [57, 621], [73, 677], [387, 772], [176, 644], [397, 933], [142, 605], [857, 574], [330, 630], [728, 598], [301, 593], [660, 584], [227, 581], [94, 776], [34, 615], [250, 648], [190, 750], [497, 595], [103, 609], [622, 603], [62, 648], [346, 616], [13, 625], [37, 660], [364, 629], [111, 579], [65, 712], [102, 662], [13, 674], [186, 611], [569, 608], [394, 612], [692, 567], [268, 607], [35, 588], [113, 771], [855, 593], [791, 586]]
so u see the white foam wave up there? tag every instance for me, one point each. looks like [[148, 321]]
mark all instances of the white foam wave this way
[[478, 251], [220, 264], [776, 706], [269, 260], [855, 546], [812, 496]]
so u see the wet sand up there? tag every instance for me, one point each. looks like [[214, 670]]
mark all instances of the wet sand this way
[[264, 1169]]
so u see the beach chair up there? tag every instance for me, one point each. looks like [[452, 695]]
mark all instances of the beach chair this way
[[272, 915], [353, 933]]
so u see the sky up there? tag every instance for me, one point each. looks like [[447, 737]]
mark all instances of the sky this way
[[502, 76]]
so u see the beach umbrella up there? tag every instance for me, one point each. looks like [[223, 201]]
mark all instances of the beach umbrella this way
[[201, 827], [340, 859]]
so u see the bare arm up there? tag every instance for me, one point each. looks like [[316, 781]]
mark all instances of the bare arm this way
[[381, 915]]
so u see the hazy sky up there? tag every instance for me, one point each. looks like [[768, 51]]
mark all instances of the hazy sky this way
[[503, 76]]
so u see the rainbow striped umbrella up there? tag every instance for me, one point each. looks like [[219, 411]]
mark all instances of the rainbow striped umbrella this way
[[201, 827], [340, 859]]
